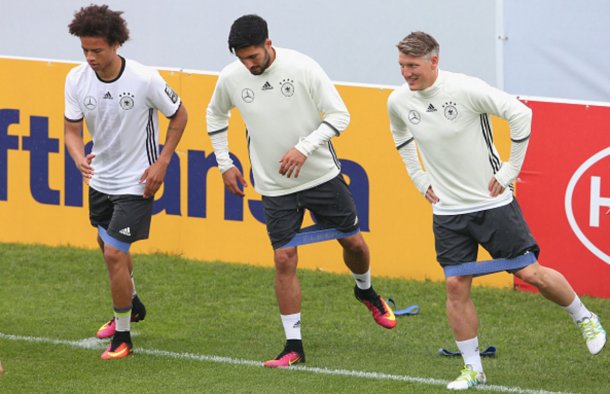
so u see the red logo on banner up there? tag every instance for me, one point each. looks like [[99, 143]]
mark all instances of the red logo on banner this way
[[587, 204]]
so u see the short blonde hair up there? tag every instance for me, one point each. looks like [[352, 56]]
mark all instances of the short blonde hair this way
[[419, 44]]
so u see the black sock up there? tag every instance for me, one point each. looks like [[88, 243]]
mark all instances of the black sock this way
[[295, 345], [120, 337], [365, 294]]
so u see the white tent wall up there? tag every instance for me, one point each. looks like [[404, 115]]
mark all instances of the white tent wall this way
[[549, 48], [353, 40], [557, 48]]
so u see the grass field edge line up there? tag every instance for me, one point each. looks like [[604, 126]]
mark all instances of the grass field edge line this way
[[97, 344]]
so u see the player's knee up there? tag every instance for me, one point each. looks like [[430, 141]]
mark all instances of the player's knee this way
[[533, 276], [458, 287], [112, 256], [355, 244], [453, 285], [285, 260]]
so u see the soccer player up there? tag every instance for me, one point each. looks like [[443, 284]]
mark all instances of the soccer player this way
[[280, 94], [470, 189], [119, 99]]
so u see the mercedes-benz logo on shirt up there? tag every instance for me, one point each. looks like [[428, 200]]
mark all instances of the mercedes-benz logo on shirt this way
[[247, 95], [90, 102], [414, 117]]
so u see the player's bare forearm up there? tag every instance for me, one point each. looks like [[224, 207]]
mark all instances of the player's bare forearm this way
[[75, 145], [155, 174], [176, 127], [74, 140]]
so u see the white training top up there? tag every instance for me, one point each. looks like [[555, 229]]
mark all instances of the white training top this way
[[121, 116], [451, 124], [281, 109]]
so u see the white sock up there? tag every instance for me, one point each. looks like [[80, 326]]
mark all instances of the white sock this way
[[292, 325], [470, 353], [122, 318], [363, 281], [133, 294], [577, 310]]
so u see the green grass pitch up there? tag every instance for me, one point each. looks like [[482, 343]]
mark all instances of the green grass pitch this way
[[210, 325]]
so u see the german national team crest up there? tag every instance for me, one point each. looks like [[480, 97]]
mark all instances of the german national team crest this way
[[247, 95], [287, 87], [414, 117], [451, 111], [126, 101]]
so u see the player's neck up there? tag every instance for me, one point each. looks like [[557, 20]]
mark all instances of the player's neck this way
[[273, 54], [112, 71]]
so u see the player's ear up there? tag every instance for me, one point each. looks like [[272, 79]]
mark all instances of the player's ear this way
[[434, 62]]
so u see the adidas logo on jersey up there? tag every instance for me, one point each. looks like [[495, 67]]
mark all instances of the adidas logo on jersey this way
[[431, 108], [126, 231], [267, 86], [108, 96]]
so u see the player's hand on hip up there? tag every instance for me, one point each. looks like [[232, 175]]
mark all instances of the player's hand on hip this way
[[232, 179], [154, 176], [85, 167], [292, 161], [430, 196], [495, 189]]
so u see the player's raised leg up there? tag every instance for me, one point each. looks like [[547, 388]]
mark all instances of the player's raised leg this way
[[555, 287], [357, 258]]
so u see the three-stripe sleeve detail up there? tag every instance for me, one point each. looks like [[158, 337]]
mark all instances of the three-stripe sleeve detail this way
[[494, 160], [151, 144], [333, 153]]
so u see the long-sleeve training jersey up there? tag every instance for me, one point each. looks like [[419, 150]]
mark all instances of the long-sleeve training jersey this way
[[450, 122], [293, 104]]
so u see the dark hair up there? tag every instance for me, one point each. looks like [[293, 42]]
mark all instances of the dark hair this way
[[246, 31], [419, 44], [100, 21]]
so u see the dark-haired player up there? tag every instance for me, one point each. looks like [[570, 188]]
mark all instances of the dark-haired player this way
[[280, 94], [119, 100]]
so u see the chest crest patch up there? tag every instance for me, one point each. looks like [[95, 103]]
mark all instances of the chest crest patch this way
[[450, 110], [287, 87], [126, 101]]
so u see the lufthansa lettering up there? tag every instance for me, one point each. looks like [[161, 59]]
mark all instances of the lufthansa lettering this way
[[40, 146]]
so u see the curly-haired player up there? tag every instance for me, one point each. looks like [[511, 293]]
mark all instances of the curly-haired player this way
[[119, 100]]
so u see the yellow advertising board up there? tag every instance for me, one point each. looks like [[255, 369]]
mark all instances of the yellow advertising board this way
[[43, 199]]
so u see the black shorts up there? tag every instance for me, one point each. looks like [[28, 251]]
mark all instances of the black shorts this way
[[125, 217], [502, 231], [331, 203]]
